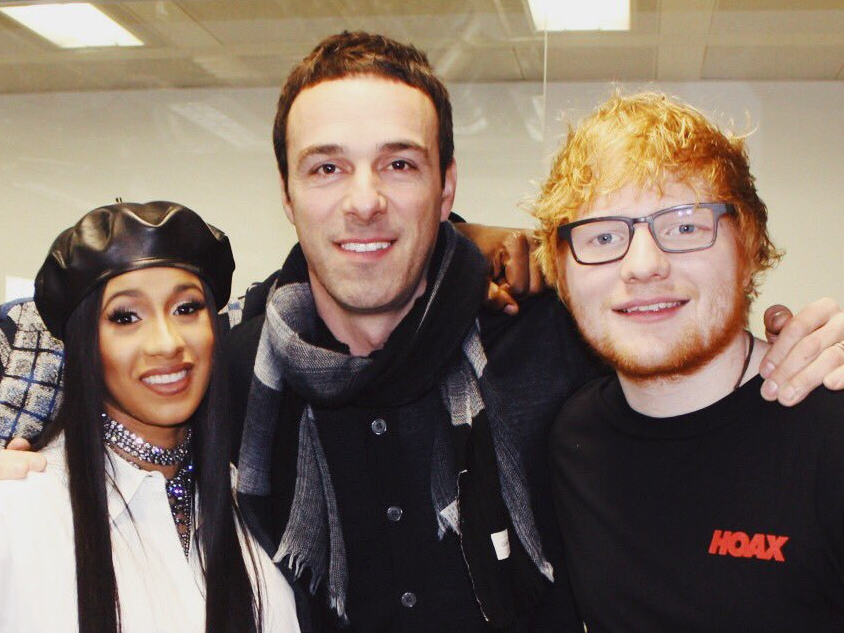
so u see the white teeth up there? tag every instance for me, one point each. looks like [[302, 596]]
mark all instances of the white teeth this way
[[165, 379], [653, 307], [364, 247]]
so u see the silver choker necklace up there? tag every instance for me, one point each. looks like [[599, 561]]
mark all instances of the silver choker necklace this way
[[118, 436], [179, 488]]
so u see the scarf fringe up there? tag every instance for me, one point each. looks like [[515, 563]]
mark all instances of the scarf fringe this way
[[313, 536], [448, 519], [297, 565]]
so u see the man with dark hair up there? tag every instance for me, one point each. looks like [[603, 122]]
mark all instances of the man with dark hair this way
[[378, 385], [347, 54], [686, 501], [394, 433]]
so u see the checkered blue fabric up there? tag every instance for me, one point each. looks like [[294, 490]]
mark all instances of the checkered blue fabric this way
[[31, 364]]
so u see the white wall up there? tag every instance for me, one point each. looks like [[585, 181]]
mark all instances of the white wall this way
[[63, 154]]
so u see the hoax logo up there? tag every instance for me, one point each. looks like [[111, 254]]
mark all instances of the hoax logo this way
[[740, 545]]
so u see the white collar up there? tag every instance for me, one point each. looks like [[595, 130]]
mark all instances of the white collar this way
[[125, 482], [123, 479]]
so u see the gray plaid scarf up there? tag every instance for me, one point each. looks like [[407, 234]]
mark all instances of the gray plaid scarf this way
[[313, 537]]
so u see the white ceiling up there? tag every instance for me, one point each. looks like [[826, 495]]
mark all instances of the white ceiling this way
[[193, 43]]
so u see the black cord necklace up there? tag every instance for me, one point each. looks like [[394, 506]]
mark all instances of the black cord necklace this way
[[746, 360]]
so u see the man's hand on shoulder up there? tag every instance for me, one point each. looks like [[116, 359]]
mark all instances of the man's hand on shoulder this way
[[18, 460], [513, 271], [807, 351]]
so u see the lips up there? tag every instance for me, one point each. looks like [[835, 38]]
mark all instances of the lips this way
[[651, 307], [165, 379], [365, 247], [169, 380]]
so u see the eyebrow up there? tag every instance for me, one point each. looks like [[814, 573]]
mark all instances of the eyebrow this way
[[337, 149], [396, 146], [314, 150]]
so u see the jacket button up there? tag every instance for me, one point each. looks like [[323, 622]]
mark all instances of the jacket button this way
[[408, 599], [379, 426], [394, 514]]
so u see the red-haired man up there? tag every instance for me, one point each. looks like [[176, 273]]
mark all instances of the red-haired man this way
[[686, 501]]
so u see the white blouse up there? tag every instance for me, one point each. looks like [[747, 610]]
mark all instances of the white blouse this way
[[159, 589]]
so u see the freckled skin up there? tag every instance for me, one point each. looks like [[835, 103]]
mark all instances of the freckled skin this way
[[710, 282]]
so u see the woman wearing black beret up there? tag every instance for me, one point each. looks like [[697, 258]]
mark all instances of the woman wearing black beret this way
[[133, 527]]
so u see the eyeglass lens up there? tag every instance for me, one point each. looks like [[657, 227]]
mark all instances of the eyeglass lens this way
[[685, 229]]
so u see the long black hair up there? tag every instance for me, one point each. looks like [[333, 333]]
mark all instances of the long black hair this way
[[231, 605]]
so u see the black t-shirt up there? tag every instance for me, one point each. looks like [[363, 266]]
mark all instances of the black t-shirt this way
[[730, 518]]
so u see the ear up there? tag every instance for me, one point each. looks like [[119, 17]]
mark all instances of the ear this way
[[746, 276], [744, 261], [558, 259], [449, 189], [285, 202]]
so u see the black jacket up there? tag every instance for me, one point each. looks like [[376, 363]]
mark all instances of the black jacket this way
[[538, 359]]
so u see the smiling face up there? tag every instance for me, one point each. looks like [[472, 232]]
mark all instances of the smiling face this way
[[365, 192], [156, 345], [654, 314]]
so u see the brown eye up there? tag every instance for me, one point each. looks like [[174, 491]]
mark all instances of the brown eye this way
[[189, 307], [123, 317]]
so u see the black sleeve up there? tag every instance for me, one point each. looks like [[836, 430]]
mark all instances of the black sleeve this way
[[546, 328], [829, 484], [557, 613], [240, 346]]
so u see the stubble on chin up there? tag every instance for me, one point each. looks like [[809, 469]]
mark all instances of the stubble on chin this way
[[692, 349], [377, 292]]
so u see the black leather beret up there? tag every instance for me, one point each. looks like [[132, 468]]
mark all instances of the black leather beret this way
[[126, 236]]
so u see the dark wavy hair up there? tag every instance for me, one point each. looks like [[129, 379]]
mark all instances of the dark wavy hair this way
[[353, 54], [231, 605]]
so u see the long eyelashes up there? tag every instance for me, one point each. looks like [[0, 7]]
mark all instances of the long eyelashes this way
[[190, 307], [121, 316]]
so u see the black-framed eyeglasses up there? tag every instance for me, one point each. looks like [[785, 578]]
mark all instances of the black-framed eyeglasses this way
[[680, 229]]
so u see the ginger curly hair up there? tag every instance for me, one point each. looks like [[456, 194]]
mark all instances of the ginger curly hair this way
[[646, 140]]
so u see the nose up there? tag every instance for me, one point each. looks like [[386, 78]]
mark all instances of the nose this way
[[163, 338], [644, 260], [364, 200]]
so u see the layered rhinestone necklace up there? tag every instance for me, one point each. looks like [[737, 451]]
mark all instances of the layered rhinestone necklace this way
[[179, 488], [180, 495]]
